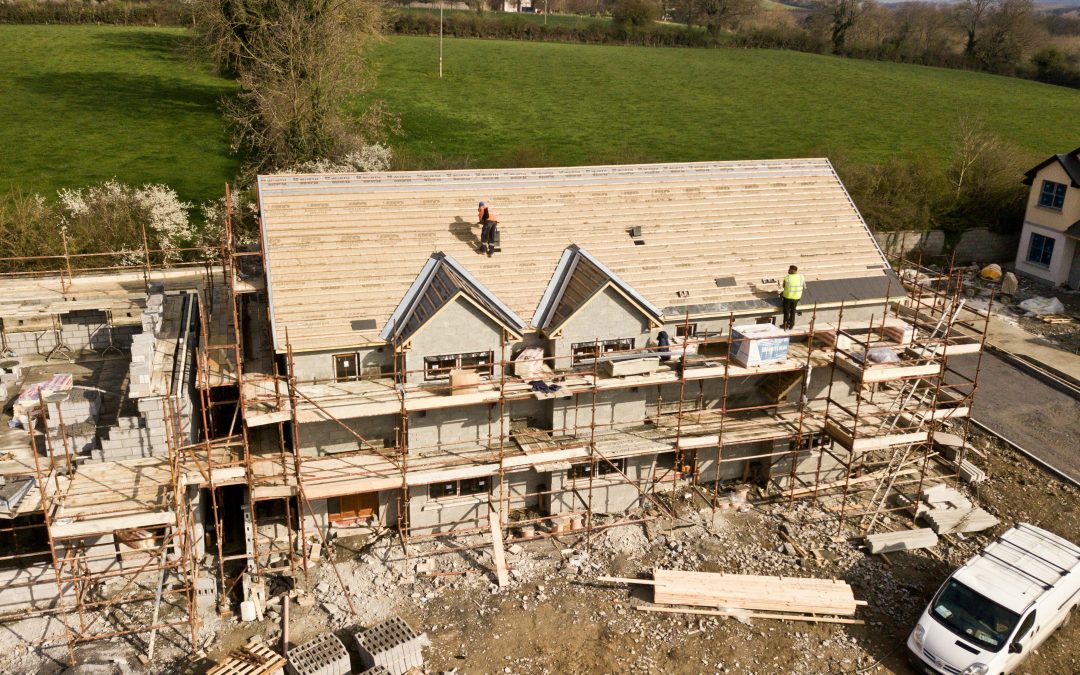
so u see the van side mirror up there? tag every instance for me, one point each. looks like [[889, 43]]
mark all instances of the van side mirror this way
[[1016, 648]]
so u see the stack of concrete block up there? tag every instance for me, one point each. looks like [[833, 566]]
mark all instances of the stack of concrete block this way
[[142, 364], [392, 644], [376, 670], [324, 655], [10, 376]]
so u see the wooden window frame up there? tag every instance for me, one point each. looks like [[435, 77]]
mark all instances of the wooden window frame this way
[[604, 468], [355, 356], [583, 351], [479, 362]]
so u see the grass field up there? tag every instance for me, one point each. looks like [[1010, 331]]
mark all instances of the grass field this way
[[82, 104], [505, 102]]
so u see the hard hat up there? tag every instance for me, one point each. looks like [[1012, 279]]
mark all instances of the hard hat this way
[[481, 203]]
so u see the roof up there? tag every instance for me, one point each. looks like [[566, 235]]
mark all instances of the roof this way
[[578, 278], [1069, 161], [1019, 566], [342, 250], [1073, 230], [441, 281]]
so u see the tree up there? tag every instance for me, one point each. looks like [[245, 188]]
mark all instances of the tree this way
[[1010, 32], [632, 15], [837, 17], [298, 63], [718, 15], [971, 16]]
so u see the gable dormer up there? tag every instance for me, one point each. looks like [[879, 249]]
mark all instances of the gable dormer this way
[[587, 307], [449, 320]]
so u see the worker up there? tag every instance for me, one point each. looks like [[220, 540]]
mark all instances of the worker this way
[[791, 290], [487, 235]]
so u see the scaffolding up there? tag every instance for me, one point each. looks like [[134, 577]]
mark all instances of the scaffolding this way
[[864, 447]]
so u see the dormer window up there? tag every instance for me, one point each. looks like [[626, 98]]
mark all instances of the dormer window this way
[[1052, 195], [439, 367]]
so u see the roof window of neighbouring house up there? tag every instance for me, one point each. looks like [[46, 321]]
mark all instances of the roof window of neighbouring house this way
[[1052, 195]]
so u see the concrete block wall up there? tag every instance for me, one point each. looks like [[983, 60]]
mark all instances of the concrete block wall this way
[[320, 366], [980, 244], [326, 438], [428, 516], [79, 330], [606, 317], [458, 328]]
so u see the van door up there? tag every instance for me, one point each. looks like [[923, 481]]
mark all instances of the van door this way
[[1025, 639]]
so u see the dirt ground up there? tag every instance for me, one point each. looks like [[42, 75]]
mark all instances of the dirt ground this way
[[1065, 336], [557, 618]]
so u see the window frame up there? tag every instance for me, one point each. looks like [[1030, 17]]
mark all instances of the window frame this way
[[465, 487], [355, 356], [604, 468], [583, 351], [1045, 250], [690, 330], [1052, 195], [484, 364]]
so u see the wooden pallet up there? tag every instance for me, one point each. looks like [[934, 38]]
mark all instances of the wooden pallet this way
[[254, 658], [1056, 318]]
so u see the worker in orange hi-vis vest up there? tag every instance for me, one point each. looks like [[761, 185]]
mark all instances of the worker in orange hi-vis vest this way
[[791, 290], [486, 216]]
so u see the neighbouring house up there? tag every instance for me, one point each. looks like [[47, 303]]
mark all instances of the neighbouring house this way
[[1048, 243]]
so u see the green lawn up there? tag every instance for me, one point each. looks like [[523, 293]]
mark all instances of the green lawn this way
[[501, 103], [82, 104]]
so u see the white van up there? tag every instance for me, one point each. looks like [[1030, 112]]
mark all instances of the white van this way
[[996, 609]]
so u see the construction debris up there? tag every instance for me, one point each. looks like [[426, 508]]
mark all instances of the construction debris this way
[[905, 540]]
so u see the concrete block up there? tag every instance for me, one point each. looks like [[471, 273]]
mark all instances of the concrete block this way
[[323, 655], [392, 644], [625, 367]]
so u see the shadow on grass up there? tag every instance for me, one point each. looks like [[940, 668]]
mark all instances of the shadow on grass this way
[[156, 100], [158, 44]]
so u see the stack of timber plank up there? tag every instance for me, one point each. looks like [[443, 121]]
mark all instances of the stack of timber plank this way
[[749, 595], [905, 540]]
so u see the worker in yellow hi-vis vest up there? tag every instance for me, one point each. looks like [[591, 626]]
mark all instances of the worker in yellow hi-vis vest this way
[[791, 290]]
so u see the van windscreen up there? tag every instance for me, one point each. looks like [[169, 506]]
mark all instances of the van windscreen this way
[[972, 616]]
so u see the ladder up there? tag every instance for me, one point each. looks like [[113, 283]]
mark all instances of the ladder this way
[[921, 392]]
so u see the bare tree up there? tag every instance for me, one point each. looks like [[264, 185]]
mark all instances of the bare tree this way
[[837, 17], [971, 16], [1010, 33], [718, 15], [298, 63]]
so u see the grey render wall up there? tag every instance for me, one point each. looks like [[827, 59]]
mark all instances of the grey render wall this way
[[457, 328], [607, 316], [320, 366]]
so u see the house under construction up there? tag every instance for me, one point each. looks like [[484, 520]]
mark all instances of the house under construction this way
[[179, 435]]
